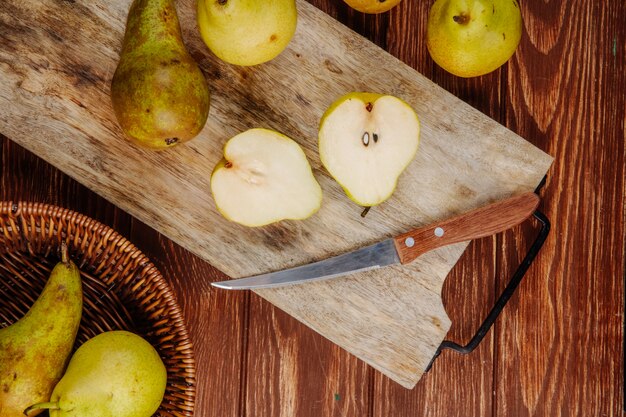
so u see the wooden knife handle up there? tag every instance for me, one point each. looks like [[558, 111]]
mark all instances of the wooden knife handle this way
[[481, 222]]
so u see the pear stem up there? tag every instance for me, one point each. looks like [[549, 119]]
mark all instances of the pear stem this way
[[42, 406], [64, 257], [462, 18]]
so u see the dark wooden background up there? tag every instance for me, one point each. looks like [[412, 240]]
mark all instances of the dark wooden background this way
[[557, 349]]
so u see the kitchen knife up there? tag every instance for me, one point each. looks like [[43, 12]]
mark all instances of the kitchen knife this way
[[405, 248]]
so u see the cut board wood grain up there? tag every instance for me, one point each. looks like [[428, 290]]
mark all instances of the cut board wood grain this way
[[54, 101]]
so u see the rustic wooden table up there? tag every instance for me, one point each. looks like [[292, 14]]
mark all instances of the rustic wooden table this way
[[556, 350]]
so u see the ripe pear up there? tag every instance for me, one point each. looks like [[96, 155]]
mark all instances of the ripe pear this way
[[114, 374], [159, 93], [264, 178], [372, 6], [247, 32], [469, 38], [34, 350], [366, 140]]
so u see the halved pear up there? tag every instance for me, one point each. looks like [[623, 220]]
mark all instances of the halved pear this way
[[366, 140], [263, 178]]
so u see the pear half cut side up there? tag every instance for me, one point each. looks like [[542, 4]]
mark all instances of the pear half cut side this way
[[366, 140], [264, 178]]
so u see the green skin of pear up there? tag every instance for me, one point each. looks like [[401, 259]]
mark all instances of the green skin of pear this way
[[114, 374], [34, 350], [365, 98], [159, 94], [469, 38], [247, 32]]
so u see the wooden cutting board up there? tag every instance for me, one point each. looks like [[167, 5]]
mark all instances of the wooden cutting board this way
[[56, 62]]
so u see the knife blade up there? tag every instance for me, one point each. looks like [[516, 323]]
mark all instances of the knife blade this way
[[402, 249]]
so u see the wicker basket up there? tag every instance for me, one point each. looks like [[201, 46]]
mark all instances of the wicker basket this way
[[122, 288]]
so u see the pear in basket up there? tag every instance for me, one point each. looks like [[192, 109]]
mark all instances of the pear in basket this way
[[114, 374], [34, 350]]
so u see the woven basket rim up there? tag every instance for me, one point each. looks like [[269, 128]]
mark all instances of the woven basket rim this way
[[20, 211]]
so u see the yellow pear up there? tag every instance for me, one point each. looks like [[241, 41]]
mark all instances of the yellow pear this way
[[247, 32], [469, 38], [114, 374], [372, 6]]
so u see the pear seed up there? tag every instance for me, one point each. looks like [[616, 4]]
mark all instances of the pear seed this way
[[375, 136], [366, 139]]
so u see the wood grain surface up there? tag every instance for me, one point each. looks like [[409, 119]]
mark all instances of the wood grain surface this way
[[557, 349], [391, 318]]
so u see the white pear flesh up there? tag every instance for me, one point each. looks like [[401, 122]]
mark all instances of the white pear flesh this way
[[365, 145], [264, 178]]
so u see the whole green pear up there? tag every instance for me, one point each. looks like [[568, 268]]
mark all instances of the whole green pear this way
[[114, 374], [247, 32], [160, 96], [34, 350], [469, 38]]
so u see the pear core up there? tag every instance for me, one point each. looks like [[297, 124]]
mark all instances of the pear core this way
[[365, 142], [264, 177]]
